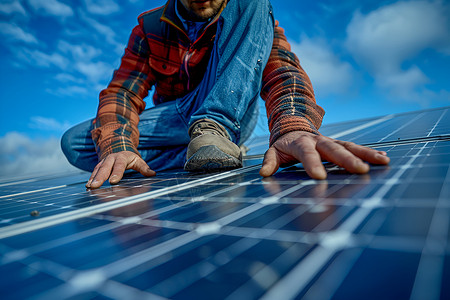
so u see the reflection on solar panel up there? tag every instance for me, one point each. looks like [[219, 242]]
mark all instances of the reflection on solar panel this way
[[235, 235]]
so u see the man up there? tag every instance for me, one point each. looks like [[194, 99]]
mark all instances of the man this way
[[208, 61]]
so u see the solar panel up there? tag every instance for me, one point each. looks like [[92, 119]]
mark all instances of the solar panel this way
[[235, 235]]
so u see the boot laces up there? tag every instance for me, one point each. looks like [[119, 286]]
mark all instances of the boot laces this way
[[206, 126]]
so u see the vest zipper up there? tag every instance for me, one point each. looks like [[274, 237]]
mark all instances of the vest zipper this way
[[186, 59]]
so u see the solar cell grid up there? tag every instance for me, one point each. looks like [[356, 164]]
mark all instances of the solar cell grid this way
[[234, 235], [394, 127]]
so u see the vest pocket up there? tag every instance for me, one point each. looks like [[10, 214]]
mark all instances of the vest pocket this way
[[163, 66]]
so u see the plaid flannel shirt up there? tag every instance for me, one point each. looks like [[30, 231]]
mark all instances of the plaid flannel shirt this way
[[161, 55]]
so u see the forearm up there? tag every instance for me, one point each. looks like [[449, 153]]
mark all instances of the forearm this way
[[115, 127], [288, 92]]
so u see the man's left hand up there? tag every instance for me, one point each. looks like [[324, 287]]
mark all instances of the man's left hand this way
[[310, 149]]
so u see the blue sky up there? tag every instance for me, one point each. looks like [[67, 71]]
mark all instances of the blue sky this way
[[365, 58]]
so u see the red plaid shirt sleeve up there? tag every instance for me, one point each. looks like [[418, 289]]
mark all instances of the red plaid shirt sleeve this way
[[288, 92], [115, 127]]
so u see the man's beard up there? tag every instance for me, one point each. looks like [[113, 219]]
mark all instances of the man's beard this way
[[196, 18]]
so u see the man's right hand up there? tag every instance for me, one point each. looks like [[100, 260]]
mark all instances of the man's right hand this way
[[114, 165]]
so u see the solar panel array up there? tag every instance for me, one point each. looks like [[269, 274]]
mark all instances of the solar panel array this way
[[235, 235]]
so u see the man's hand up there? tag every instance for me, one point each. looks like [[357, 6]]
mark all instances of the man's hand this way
[[310, 149], [114, 165]]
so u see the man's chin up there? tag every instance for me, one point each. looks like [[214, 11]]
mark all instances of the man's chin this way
[[205, 10], [204, 13]]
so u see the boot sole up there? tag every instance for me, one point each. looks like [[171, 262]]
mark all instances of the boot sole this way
[[211, 158]]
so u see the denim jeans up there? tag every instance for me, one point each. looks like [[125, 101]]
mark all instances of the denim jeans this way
[[228, 94]]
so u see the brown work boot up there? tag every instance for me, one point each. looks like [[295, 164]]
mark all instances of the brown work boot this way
[[210, 148]]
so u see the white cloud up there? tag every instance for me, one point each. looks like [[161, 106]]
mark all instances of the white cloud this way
[[106, 33], [94, 71], [12, 7], [68, 78], [101, 7], [397, 32], [79, 52], [79, 70], [42, 59], [70, 91], [14, 33], [51, 8], [405, 81], [49, 124], [384, 39], [21, 155], [82, 57], [100, 28], [329, 75]]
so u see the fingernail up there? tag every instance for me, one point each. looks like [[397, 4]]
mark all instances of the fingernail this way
[[113, 179], [88, 184], [380, 156], [263, 172], [363, 167], [319, 173]]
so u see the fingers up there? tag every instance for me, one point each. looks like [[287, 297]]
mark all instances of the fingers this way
[[304, 150], [94, 173], [367, 154], [336, 153], [119, 167], [288, 150], [114, 166], [270, 163], [101, 173], [311, 149], [139, 165]]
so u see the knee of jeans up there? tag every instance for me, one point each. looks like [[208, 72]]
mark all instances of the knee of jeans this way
[[66, 144], [73, 154]]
